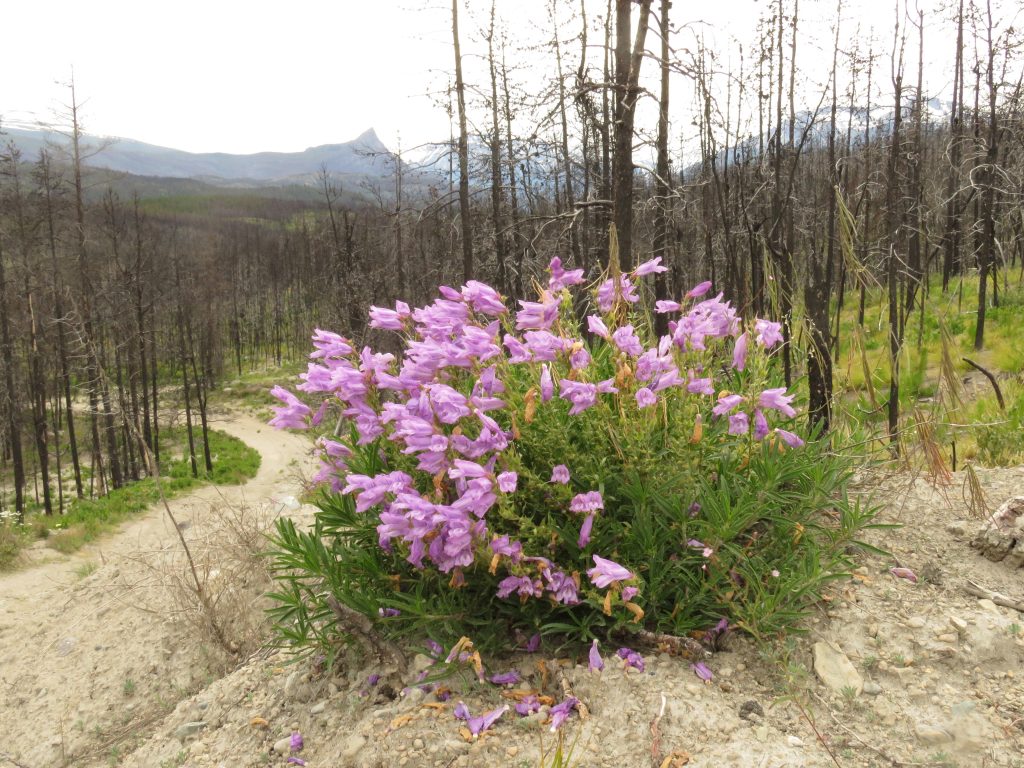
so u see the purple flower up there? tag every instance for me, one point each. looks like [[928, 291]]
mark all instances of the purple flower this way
[[596, 326], [547, 386], [739, 424], [645, 398], [606, 293], [389, 319], [296, 742], [483, 298], [904, 573], [605, 572], [632, 659], [579, 358], [701, 670], [778, 400], [585, 529], [332, 345], [739, 353], [665, 307], [699, 290], [533, 644], [524, 586], [507, 482], [537, 316], [560, 278], [760, 424], [700, 387], [627, 341], [373, 679], [768, 333], [388, 612], [590, 501], [726, 403], [790, 439], [596, 662], [478, 725], [695, 508], [560, 712], [503, 546], [628, 593], [560, 474], [528, 705], [461, 711], [292, 415], [650, 268], [505, 678], [295, 761], [583, 395], [434, 648], [561, 586]]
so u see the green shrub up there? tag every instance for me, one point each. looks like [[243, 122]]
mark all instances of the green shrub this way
[[451, 522]]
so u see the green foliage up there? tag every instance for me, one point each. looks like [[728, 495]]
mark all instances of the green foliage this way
[[1000, 436]]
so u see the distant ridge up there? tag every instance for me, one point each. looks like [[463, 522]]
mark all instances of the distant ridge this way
[[364, 158]]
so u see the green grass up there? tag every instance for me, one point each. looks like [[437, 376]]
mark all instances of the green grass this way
[[87, 519]]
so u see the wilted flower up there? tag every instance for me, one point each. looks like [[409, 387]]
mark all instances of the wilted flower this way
[[505, 678], [904, 573], [632, 658], [388, 612], [596, 662], [296, 743], [560, 712], [533, 644], [628, 593], [702, 671], [547, 386], [478, 725], [295, 761], [760, 425], [528, 705]]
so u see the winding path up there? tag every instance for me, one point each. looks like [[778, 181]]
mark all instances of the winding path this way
[[92, 645]]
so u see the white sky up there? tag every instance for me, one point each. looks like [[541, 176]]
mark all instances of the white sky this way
[[223, 75]]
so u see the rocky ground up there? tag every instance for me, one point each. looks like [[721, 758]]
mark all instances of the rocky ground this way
[[889, 673]]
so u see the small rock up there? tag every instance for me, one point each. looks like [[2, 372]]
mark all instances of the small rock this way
[[947, 637], [930, 734], [318, 708], [958, 528], [794, 741], [915, 622], [512, 751], [872, 688], [835, 669], [283, 746], [186, 730], [421, 662], [958, 624], [417, 743], [353, 745], [989, 606]]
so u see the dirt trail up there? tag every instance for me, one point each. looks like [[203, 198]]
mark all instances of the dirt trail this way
[[89, 647]]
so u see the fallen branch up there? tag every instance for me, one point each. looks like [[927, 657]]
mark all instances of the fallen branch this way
[[996, 597], [992, 380], [674, 645]]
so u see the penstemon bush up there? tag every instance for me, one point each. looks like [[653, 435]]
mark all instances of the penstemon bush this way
[[543, 468]]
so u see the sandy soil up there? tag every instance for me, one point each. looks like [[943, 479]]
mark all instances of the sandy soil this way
[[96, 647], [921, 674]]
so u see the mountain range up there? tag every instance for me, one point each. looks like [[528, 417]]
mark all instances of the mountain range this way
[[365, 158]]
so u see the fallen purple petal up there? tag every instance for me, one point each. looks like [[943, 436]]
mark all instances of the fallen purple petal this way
[[904, 573], [701, 670]]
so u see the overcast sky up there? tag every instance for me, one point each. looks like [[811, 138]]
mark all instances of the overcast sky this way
[[221, 75]]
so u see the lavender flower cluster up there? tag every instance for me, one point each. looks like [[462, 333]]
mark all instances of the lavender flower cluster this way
[[442, 403]]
